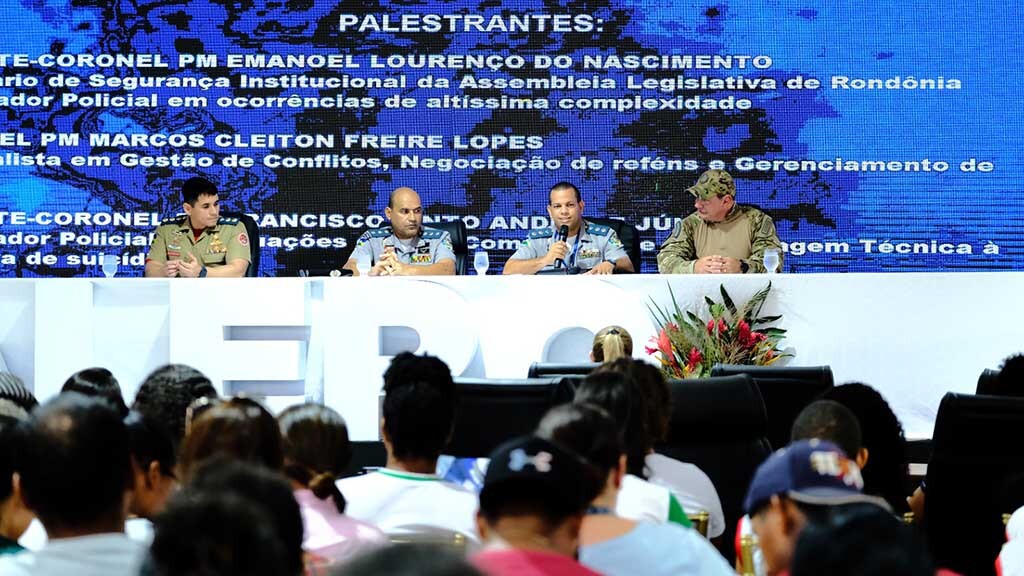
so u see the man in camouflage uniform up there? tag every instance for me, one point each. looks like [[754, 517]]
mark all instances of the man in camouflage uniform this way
[[721, 237], [407, 247], [200, 243], [591, 247]]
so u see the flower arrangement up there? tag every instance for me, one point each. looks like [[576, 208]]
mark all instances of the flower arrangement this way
[[688, 345]]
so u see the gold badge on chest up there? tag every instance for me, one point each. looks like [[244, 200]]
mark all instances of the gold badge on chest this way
[[216, 246]]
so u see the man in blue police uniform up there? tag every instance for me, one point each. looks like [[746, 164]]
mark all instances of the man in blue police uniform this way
[[407, 247], [590, 247]]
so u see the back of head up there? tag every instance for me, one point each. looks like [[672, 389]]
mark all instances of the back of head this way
[[13, 389], [861, 540], [238, 428], [98, 382], [316, 449], [585, 429], [886, 471], [619, 395], [215, 534], [612, 343], [408, 560], [10, 440], [419, 406], [194, 187], [828, 420], [150, 442], [76, 463], [262, 488], [1010, 380], [167, 393]]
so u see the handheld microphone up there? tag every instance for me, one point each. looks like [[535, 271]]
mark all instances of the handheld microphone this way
[[563, 235]]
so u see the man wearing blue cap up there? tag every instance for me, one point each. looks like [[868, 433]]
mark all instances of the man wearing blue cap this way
[[796, 485]]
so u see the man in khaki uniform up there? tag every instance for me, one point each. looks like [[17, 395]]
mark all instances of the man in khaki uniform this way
[[200, 243], [721, 237]]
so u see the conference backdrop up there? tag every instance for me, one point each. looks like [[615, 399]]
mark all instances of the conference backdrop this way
[[879, 137]]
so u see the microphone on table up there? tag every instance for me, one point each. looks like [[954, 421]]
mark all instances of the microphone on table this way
[[563, 235]]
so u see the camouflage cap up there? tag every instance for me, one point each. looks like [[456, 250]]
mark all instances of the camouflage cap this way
[[713, 183]]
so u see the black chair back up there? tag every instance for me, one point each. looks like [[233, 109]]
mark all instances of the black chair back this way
[[460, 243], [493, 411], [719, 424], [786, 391], [549, 369], [253, 230], [628, 234], [974, 476]]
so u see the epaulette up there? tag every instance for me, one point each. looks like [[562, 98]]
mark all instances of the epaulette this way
[[598, 229], [431, 233], [382, 232], [227, 221], [540, 233], [177, 219]]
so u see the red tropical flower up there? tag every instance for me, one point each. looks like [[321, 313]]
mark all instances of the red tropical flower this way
[[694, 358]]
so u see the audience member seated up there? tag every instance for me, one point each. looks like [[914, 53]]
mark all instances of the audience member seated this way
[[531, 509], [235, 428], [408, 560], [862, 540], [97, 382], [801, 483], [830, 420], [316, 451], [688, 483], [621, 397], [885, 472], [13, 389], [262, 488], [76, 475], [167, 393], [608, 543], [218, 534], [611, 343], [153, 464], [14, 516], [407, 497]]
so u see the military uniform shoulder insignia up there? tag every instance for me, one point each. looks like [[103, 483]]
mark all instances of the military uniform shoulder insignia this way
[[540, 233], [227, 221], [598, 229], [176, 220], [382, 232], [431, 233]]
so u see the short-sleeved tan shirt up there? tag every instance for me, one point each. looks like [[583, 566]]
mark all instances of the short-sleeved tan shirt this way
[[216, 246]]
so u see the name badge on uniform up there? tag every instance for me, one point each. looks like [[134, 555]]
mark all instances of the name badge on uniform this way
[[173, 251], [592, 253]]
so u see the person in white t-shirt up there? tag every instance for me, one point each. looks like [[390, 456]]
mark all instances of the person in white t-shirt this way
[[75, 474], [407, 497]]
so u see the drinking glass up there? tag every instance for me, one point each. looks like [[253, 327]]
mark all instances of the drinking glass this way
[[771, 260], [108, 264], [481, 262]]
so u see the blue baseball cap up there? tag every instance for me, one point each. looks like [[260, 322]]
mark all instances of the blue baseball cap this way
[[809, 471]]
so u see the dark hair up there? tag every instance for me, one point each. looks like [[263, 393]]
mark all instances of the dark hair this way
[[655, 391], [1010, 380], [13, 388], [10, 441], [222, 534], [861, 540], [195, 187], [98, 382], [585, 429], [316, 449], [528, 498], [262, 488], [76, 463], [565, 186], [419, 406], [828, 420], [234, 428], [167, 393], [150, 442], [885, 474], [408, 560], [620, 396]]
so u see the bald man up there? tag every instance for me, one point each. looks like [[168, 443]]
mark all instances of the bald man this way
[[406, 248]]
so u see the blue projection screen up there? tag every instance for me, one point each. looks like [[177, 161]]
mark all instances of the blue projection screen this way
[[879, 137]]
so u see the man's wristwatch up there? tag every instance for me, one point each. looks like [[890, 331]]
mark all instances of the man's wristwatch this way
[[202, 272], [744, 267]]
